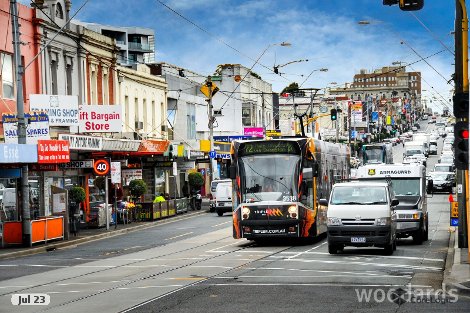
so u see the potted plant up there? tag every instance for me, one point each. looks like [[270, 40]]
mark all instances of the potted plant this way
[[76, 196], [137, 188]]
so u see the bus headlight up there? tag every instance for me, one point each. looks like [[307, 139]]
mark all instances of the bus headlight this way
[[383, 221], [245, 212], [334, 221], [293, 211]]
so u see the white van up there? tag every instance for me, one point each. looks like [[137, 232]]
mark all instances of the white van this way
[[223, 198], [361, 214], [214, 184]]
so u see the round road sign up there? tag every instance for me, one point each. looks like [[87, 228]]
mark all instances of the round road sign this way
[[101, 167]]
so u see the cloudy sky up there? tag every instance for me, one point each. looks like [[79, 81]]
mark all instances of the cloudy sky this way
[[200, 34]]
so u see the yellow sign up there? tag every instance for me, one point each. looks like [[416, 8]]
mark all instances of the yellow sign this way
[[273, 132], [454, 209], [371, 171], [205, 90], [389, 120]]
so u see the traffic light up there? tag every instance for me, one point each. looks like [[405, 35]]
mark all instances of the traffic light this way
[[461, 145], [461, 105], [333, 114], [411, 5]]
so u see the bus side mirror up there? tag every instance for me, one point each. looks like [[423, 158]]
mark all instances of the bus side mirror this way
[[315, 169], [232, 172]]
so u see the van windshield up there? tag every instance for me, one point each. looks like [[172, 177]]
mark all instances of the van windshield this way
[[359, 195], [404, 186]]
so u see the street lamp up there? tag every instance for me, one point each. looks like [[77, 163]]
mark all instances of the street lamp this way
[[276, 67], [315, 70]]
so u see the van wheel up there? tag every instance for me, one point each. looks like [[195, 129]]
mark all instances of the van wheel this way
[[220, 213], [426, 232], [418, 237], [332, 248], [389, 248]]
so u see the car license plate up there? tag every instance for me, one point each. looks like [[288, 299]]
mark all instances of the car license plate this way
[[358, 239]]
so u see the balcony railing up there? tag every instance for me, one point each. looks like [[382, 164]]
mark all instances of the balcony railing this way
[[139, 46]]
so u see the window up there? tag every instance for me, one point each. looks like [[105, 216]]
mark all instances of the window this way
[[8, 86], [54, 65], [191, 121], [247, 117], [68, 73], [93, 87], [126, 110], [59, 13], [154, 117], [105, 86], [146, 127], [136, 108]]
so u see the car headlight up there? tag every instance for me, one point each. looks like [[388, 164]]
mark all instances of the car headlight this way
[[334, 221], [383, 221]]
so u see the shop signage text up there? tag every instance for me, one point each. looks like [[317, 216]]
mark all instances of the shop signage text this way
[[100, 119], [230, 138], [154, 146], [79, 142], [53, 151], [62, 110], [120, 145], [253, 131], [37, 127], [15, 153], [77, 164]]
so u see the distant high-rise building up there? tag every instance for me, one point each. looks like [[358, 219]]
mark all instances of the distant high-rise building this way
[[136, 44]]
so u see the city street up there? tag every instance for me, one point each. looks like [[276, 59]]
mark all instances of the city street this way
[[193, 265]]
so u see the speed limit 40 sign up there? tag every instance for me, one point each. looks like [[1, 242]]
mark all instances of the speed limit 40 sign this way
[[101, 167]]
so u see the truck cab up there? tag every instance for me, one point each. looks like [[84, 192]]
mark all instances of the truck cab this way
[[409, 184]]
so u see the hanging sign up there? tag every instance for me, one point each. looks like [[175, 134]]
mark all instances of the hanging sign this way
[[100, 119], [37, 127], [101, 167], [62, 110], [53, 151], [116, 172]]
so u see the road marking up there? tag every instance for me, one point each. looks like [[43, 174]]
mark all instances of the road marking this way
[[182, 235], [216, 250], [430, 268], [300, 253], [229, 222], [316, 276], [376, 256], [315, 284]]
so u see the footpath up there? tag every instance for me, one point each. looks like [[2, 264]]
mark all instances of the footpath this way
[[457, 271], [92, 234]]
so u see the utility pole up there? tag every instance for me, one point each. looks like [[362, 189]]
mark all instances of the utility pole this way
[[338, 118], [462, 88], [19, 71], [263, 120], [211, 128]]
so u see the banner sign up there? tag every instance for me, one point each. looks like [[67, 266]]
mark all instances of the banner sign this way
[[15, 153], [116, 172], [81, 142], [53, 151], [273, 132], [154, 146], [253, 131], [37, 127], [62, 110], [100, 119], [356, 111], [230, 138], [120, 145], [188, 165]]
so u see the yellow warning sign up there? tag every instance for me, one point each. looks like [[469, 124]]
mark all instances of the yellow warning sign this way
[[454, 209], [205, 89]]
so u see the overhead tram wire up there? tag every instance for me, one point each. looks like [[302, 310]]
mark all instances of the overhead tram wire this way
[[434, 36]]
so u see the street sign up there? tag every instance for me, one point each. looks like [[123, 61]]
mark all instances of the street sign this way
[[353, 134], [116, 172], [454, 209], [323, 109], [454, 221], [205, 90], [101, 167], [212, 154], [375, 116]]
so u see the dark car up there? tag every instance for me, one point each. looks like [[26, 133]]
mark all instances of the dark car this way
[[442, 181], [417, 125]]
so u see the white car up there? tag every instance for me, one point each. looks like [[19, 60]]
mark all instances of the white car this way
[[413, 159]]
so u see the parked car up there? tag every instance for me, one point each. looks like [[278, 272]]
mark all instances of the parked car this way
[[444, 167], [445, 158], [433, 149], [214, 184], [223, 198]]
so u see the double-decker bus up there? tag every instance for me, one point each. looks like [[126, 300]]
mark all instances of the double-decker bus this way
[[377, 153], [278, 183]]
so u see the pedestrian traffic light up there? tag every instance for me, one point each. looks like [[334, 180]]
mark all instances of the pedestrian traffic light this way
[[461, 105], [333, 114], [461, 145]]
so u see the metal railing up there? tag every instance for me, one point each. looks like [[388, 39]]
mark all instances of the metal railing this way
[[139, 46]]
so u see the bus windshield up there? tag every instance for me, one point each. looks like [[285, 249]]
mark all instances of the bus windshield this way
[[268, 177]]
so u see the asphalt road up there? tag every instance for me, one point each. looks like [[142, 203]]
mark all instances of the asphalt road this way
[[194, 265]]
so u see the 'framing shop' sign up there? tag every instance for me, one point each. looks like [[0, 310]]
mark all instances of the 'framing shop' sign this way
[[62, 110]]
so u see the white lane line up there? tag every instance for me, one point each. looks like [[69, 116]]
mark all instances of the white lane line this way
[[431, 268], [317, 276], [216, 250], [178, 236], [315, 284], [216, 225], [145, 287], [300, 253], [211, 266], [374, 256], [90, 283], [367, 273]]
